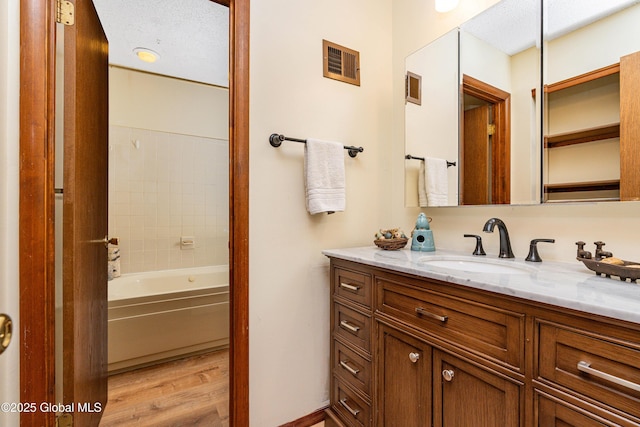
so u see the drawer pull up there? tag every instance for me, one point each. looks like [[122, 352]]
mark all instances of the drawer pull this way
[[349, 287], [422, 312], [349, 368], [587, 369], [348, 326], [414, 357], [353, 412]]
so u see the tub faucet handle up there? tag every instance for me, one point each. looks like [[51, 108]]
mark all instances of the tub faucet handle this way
[[106, 241], [479, 250], [111, 241], [533, 249]]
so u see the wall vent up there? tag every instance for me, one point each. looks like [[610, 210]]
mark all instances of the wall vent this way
[[413, 88], [340, 63]]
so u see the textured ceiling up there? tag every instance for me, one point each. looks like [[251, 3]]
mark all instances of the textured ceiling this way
[[511, 25], [191, 37]]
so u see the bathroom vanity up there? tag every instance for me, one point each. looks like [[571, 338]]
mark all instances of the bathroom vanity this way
[[447, 339]]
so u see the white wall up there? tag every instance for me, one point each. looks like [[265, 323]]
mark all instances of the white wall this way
[[608, 39], [168, 171], [195, 108], [289, 283], [9, 183]]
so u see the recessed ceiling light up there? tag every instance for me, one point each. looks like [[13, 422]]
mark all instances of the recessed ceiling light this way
[[146, 55]]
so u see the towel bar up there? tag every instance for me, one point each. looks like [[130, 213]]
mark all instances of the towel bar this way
[[276, 139], [409, 157]]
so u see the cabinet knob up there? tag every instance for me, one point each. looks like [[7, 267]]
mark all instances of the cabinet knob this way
[[414, 357], [447, 374]]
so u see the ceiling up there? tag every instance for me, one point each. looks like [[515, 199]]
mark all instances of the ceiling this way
[[192, 40], [190, 36], [511, 25]]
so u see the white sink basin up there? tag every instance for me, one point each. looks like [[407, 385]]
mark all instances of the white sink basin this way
[[476, 265]]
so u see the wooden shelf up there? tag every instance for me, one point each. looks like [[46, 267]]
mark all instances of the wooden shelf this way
[[628, 130], [582, 136], [582, 78], [570, 187]]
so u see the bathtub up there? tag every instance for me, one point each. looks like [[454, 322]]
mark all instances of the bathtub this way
[[161, 315]]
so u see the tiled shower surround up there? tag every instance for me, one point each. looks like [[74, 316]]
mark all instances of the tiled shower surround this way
[[165, 186]]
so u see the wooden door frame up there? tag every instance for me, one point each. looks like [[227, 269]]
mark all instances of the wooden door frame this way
[[36, 210], [501, 160]]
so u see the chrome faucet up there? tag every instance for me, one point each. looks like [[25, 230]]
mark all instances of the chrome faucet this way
[[505, 243]]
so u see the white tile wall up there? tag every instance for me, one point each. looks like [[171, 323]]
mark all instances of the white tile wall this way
[[163, 186]]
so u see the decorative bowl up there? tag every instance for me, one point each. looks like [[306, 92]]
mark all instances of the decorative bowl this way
[[391, 244]]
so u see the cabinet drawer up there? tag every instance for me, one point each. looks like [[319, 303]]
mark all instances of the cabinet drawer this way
[[353, 286], [352, 367], [551, 412], [601, 369], [352, 326], [353, 409], [496, 333]]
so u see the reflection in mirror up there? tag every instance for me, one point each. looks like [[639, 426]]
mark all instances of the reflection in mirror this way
[[431, 127], [592, 116], [500, 64], [494, 132]]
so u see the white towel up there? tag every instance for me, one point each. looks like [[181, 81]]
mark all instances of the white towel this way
[[324, 176], [422, 191], [436, 183]]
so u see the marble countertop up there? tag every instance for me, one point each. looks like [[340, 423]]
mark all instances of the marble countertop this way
[[569, 285]]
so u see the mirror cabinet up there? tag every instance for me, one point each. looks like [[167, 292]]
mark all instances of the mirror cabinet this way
[[533, 100]]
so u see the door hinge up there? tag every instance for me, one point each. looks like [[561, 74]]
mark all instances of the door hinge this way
[[65, 12], [64, 420], [491, 129]]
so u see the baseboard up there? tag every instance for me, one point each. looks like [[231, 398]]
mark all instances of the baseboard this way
[[308, 420]]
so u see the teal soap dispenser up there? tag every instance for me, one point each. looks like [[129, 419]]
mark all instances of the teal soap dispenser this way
[[422, 236]]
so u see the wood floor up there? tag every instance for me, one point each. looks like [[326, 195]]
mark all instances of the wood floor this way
[[187, 392]]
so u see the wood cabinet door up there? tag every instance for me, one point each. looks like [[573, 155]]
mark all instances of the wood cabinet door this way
[[404, 378], [466, 395]]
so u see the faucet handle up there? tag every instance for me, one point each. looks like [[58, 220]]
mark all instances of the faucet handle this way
[[479, 250], [533, 249], [600, 253], [582, 253]]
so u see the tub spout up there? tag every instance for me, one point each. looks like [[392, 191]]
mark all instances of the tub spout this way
[[505, 243]]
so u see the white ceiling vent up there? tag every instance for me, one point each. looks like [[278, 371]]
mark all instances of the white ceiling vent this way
[[340, 63]]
